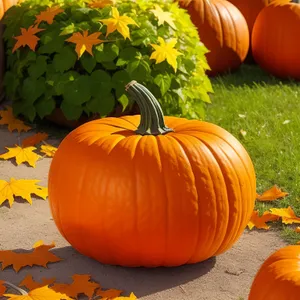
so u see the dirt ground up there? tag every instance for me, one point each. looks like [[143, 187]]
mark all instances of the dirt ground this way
[[227, 277]]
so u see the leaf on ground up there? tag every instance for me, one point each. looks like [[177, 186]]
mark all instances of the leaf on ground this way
[[34, 139], [131, 297], [81, 285], [287, 215], [273, 193], [42, 293], [8, 118], [2, 288], [48, 15], [21, 155], [109, 294], [163, 16], [243, 132], [21, 188], [102, 3], [48, 150], [30, 284], [260, 221], [297, 229], [40, 256]]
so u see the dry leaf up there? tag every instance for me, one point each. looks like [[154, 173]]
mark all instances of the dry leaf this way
[[2, 288], [30, 284], [34, 139], [131, 297], [243, 132], [42, 293], [48, 150], [8, 118], [260, 221], [40, 256], [273, 193], [22, 155], [102, 3], [109, 294], [48, 15], [27, 38], [163, 16], [21, 188], [119, 23], [297, 229], [287, 215], [81, 285]]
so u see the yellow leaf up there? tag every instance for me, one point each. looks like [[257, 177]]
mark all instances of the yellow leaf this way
[[34, 139], [260, 221], [131, 297], [287, 214], [163, 16], [166, 51], [119, 23], [48, 150], [273, 193], [21, 155], [21, 188], [30, 284], [102, 3], [48, 14]]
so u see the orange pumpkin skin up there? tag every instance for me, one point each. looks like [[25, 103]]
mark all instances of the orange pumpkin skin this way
[[275, 45], [223, 30], [279, 276], [5, 5], [132, 200]]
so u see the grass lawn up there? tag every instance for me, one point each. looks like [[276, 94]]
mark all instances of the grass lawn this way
[[268, 109]]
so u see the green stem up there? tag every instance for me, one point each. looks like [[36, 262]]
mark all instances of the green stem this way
[[16, 288], [152, 117]]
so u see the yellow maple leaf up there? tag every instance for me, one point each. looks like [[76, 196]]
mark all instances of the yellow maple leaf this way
[[260, 221], [8, 118], [22, 155], [84, 42], [271, 194], [102, 3], [166, 51], [131, 297], [48, 150], [119, 23], [48, 15], [21, 188], [287, 215], [163, 16]]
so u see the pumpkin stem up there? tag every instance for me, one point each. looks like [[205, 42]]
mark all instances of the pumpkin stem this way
[[152, 117], [16, 288]]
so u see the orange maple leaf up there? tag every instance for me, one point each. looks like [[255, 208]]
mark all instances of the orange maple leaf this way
[[109, 294], [287, 215], [48, 15], [8, 118], [2, 288], [34, 139], [260, 221], [40, 256], [271, 194], [84, 42], [30, 284], [27, 38]]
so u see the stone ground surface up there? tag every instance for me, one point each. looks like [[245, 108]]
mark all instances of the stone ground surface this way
[[227, 277]]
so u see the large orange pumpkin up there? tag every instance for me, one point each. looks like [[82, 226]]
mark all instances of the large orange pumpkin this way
[[276, 40], [131, 191], [279, 276], [223, 30]]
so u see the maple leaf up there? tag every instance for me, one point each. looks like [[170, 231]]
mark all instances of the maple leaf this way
[[42, 293], [131, 297], [48, 15], [84, 42], [109, 294], [8, 118], [287, 215], [2, 288], [163, 16], [30, 284], [27, 38], [34, 139], [166, 51], [260, 221], [40, 256], [48, 150], [273, 193], [21, 188], [102, 3], [21, 155], [119, 23], [81, 285]]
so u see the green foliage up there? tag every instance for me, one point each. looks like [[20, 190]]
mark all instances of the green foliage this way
[[54, 76]]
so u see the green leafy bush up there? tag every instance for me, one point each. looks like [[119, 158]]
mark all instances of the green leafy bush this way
[[54, 76]]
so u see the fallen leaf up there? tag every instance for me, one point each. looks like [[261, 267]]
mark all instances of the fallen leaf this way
[[8, 118], [22, 155], [84, 42], [273, 193], [166, 51], [131, 297], [42, 293], [30, 284], [260, 221], [27, 38], [34, 139], [81, 285], [297, 229], [119, 23], [38, 243], [102, 3], [21, 188], [40, 256], [287, 215], [48, 15], [163, 16], [109, 294], [2, 288], [48, 150]]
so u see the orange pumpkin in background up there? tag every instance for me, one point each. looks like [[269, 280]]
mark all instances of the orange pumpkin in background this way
[[223, 30], [276, 40], [5, 5], [151, 191], [279, 276]]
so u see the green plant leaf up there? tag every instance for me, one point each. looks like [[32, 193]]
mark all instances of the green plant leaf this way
[[163, 81], [51, 41], [39, 68], [106, 52], [124, 101], [71, 111], [61, 81], [102, 105], [126, 55], [69, 29], [88, 62], [101, 83], [120, 79], [44, 106], [11, 83], [64, 60], [27, 110], [32, 89], [138, 69]]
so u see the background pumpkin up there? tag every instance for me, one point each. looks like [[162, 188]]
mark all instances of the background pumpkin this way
[[223, 30], [275, 40], [279, 276], [152, 197], [5, 5]]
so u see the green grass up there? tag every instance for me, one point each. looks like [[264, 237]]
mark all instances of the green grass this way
[[265, 102]]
